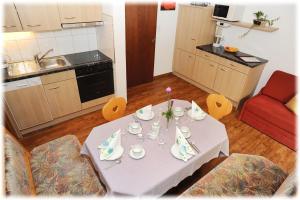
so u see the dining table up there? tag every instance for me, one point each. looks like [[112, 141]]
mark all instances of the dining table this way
[[158, 171]]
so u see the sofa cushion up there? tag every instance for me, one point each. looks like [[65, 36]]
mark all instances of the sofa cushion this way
[[272, 111], [18, 177], [58, 168], [289, 186], [280, 86], [292, 104], [240, 174]]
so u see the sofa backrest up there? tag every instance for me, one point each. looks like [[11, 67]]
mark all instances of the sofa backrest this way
[[280, 86], [18, 177]]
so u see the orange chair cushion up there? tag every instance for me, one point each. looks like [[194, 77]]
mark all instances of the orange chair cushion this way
[[114, 108]]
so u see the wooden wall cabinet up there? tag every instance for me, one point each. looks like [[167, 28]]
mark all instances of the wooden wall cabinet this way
[[39, 17], [11, 21], [27, 103], [80, 13], [63, 96], [194, 27]]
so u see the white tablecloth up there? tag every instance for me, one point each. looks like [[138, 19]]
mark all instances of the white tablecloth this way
[[158, 171]]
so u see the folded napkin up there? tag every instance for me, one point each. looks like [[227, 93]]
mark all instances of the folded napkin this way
[[184, 148], [109, 146], [145, 111], [197, 111]]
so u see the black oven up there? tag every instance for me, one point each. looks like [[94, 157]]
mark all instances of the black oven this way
[[95, 80]]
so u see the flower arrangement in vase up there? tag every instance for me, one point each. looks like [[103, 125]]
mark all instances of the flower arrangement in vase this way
[[169, 113]]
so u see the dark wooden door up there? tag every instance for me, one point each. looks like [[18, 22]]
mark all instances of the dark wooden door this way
[[140, 42]]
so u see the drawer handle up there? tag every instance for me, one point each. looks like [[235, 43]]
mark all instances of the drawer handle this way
[[206, 55], [193, 39], [211, 65], [70, 17], [9, 26], [190, 56], [54, 88], [232, 65], [224, 70], [22, 85], [34, 25]]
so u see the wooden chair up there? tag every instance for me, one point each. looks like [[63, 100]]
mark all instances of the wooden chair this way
[[114, 108], [218, 106]]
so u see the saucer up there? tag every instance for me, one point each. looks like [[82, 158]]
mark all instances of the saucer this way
[[134, 131], [178, 113], [142, 154], [200, 117], [140, 116]]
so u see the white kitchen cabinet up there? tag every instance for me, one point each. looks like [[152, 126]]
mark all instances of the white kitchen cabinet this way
[[11, 21], [80, 13], [39, 17]]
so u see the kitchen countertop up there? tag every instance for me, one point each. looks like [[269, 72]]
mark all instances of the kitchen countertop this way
[[30, 69], [219, 51]]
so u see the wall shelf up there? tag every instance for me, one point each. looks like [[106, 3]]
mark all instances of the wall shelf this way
[[250, 25], [255, 27]]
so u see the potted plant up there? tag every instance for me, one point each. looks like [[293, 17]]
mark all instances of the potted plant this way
[[259, 16], [262, 19]]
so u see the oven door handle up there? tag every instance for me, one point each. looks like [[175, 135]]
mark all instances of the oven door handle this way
[[92, 74]]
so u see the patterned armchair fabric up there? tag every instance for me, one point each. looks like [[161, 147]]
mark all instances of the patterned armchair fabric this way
[[240, 175], [58, 169], [18, 177]]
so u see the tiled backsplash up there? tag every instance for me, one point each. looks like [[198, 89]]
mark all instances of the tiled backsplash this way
[[24, 45]]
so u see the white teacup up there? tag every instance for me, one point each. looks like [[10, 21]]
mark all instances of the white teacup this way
[[178, 109], [134, 125], [136, 150], [185, 130]]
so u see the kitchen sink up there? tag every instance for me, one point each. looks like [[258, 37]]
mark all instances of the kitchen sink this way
[[54, 62]]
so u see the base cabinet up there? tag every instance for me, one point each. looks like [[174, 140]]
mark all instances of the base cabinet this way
[[184, 63], [63, 97], [218, 75], [204, 72], [28, 106]]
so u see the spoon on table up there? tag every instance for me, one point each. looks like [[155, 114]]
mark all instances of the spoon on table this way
[[114, 164]]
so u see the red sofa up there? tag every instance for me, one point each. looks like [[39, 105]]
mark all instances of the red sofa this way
[[267, 111]]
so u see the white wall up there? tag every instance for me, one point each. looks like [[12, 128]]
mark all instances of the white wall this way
[[165, 40], [278, 47], [20, 46]]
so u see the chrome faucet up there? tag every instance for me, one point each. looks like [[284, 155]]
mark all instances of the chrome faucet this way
[[37, 59]]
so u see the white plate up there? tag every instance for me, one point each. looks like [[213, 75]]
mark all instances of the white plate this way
[[197, 118], [134, 131], [117, 154], [175, 153], [143, 118], [178, 114], [137, 157]]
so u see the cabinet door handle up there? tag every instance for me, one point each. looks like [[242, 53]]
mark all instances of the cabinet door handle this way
[[53, 88], [34, 25], [13, 26], [70, 17], [22, 85]]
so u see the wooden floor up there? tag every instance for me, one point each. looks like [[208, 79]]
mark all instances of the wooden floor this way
[[243, 138]]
